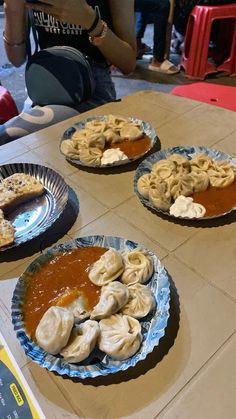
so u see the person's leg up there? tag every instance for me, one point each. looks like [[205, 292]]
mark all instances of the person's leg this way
[[159, 10], [32, 120], [141, 23], [39, 117]]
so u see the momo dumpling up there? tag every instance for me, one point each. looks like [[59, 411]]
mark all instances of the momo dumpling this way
[[54, 328], [141, 301], [107, 268], [200, 180], [120, 336], [82, 342], [68, 149], [131, 132], [181, 185], [201, 161], [113, 297], [144, 183], [182, 164], [159, 195], [96, 140], [80, 136], [112, 136], [138, 267], [77, 306], [96, 126], [164, 168], [221, 175], [78, 309], [90, 156], [116, 122]]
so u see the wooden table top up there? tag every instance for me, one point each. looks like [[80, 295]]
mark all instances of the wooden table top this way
[[191, 374]]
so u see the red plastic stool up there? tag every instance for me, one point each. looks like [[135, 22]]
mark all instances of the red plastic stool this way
[[214, 94], [195, 56], [8, 107]]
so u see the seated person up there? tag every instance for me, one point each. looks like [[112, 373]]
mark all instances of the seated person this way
[[159, 10], [104, 30]]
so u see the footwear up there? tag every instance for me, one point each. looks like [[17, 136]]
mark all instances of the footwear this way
[[142, 49], [166, 67]]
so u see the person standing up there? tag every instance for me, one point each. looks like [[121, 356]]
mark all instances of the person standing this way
[[159, 11]]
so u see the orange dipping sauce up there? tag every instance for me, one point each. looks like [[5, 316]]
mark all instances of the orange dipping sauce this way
[[59, 282], [217, 200], [134, 148]]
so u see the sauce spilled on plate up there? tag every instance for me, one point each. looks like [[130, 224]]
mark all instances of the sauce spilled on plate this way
[[134, 148], [59, 281], [217, 200]]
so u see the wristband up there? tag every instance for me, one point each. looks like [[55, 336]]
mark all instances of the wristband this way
[[94, 24], [97, 40]]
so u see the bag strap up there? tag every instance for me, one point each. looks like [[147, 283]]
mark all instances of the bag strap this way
[[31, 26]]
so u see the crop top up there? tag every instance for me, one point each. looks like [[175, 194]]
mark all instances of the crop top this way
[[52, 32]]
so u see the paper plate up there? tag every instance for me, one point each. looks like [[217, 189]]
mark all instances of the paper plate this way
[[153, 326]]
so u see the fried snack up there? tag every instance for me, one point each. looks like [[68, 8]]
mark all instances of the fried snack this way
[[17, 189]]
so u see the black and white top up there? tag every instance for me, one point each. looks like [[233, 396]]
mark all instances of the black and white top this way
[[52, 32]]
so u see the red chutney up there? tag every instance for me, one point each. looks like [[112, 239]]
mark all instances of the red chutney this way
[[134, 148], [59, 282], [217, 200]]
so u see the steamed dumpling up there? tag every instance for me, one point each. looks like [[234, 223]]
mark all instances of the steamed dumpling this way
[[164, 168], [201, 161], [181, 185], [120, 336], [159, 195], [82, 342], [221, 175], [54, 329], [200, 180], [113, 297], [68, 149], [78, 309], [96, 140], [138, 267], [182, 164], [107, 268], [131, 132], [91, 156], [96, 125], [144, 183], [141, 301], [112, 136]]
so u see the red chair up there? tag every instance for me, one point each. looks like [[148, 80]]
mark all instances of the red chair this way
[[214, 94], [196, 52], [8, 107]]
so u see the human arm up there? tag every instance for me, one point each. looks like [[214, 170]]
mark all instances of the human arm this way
[[15, 31], [119, 45]]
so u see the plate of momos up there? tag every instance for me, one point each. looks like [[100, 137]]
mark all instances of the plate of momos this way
[[107, 140], [123, 327], [166, 181]]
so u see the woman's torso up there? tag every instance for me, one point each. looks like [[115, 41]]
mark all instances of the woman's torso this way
[[51, 32]]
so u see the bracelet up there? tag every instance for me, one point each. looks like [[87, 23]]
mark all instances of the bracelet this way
[[94, 24], [97, 40], [10, 44]]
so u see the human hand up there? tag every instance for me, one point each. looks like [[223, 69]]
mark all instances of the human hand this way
[[71, 11]]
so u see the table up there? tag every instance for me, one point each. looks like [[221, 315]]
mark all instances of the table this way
[[192, 372]]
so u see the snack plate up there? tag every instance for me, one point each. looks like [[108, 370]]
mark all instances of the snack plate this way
[[145, 126], [187, 152], [97, 364], [35, 216]]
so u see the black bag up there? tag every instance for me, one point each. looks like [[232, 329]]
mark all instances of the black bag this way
[[59, 75]]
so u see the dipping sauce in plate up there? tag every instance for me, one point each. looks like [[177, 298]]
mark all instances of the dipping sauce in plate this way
[[135, 147], [58, 282], [217, 201]]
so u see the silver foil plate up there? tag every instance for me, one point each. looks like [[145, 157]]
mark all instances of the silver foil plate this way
[[35, 216]]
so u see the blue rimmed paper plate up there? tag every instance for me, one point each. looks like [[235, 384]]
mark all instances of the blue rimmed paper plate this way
[[188, 152], [98, 364], [35, 216], [145, 127]]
